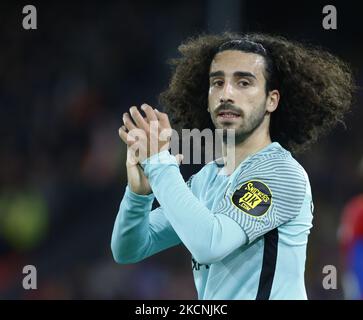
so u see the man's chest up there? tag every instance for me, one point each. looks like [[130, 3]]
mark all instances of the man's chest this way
[[214, 191]]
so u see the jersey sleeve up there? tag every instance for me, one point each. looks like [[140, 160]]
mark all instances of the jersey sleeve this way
[[265, 197], [140, 232], [208, 236]]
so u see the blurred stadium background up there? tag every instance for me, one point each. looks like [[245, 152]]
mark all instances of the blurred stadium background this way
[[63, 89]]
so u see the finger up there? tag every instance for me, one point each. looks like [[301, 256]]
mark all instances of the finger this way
[[127, 136], [123, 134], [163, 118], [150, 113], [128, 122], [138, 118]]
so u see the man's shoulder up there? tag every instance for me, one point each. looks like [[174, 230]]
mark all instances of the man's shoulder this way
[[273, 155], [274, 163]]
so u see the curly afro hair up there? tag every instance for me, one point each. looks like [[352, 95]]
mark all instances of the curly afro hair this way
[[316, 87]]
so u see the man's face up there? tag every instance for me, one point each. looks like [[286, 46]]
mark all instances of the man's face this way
[[237, 86]]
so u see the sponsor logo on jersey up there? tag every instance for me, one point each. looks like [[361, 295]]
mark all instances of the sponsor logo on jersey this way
[[253, 197]]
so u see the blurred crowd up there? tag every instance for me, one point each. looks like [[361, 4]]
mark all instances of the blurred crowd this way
[[63, 89]]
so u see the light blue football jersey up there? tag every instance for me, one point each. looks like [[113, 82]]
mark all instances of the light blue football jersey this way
[[267, 199], [269, 196]]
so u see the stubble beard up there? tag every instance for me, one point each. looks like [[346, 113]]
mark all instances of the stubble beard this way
[[247, 127]]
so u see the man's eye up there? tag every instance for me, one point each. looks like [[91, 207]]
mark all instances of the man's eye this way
[[244, 83], [217, 83]]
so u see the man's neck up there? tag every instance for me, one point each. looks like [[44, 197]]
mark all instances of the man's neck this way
[[235, 154]]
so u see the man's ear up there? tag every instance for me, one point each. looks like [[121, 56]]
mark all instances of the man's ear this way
[[272, 100]]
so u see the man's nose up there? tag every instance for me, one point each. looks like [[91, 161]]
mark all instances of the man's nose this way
[[227, 94]]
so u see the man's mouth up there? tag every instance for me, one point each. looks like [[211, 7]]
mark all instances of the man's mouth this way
[[228, 114]]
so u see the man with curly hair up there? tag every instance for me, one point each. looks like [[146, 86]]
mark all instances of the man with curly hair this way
[[245, 218]]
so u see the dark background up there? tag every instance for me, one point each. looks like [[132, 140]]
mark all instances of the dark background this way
[[63, 89]]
